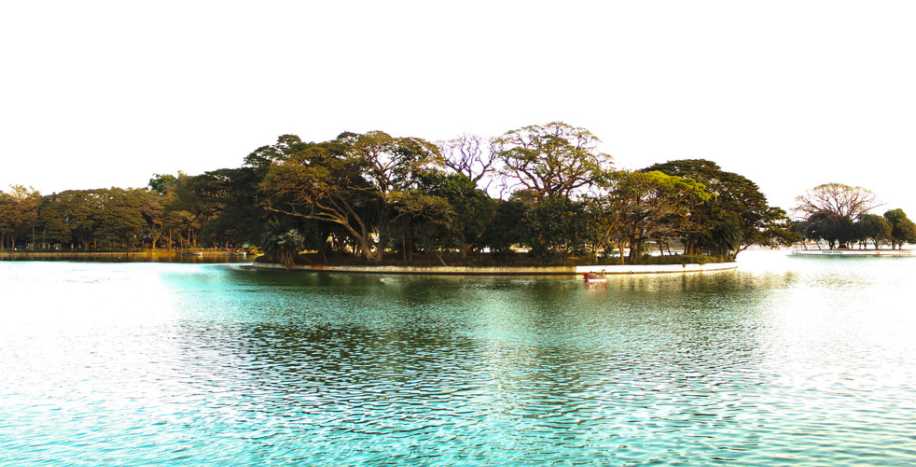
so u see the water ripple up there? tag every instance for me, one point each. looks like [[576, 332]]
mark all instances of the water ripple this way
[[220, 366]]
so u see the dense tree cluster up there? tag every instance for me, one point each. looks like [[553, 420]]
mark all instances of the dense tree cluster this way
[[214, 209], [838, 215], [541, 192], [18, 214]]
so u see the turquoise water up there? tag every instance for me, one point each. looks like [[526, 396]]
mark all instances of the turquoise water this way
[[789, 360]]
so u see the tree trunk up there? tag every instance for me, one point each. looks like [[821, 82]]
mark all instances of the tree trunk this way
[[635, 250], [383, 232], [366, 251]]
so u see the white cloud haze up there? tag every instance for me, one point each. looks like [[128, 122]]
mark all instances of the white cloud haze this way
[[789, 94]]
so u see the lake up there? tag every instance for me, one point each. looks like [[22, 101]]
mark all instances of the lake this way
[[788, 360]]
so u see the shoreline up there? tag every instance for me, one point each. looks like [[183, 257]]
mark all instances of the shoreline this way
[[117, 255], [859, 253], [502, 271]]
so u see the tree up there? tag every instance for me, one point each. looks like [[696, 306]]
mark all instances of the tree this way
[[233, 213], [821, 226], [262, 157], [647, 205], [424, 221], [837, 199], [391, 165], [162, 183], [873, 227], [118, 221], [604, 224], [324, 182], [736, 216], [371, 194], [470, 156], [282, 245], [351, 182], [18, 215], [152, 211], [555, 224], [54, 222], [473, 208], [507, 228], [165, 215], [903, 230], [554, 159]]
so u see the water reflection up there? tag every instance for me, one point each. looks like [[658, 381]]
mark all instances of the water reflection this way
[[782, 361]]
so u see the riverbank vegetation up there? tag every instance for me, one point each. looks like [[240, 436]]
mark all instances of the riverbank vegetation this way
[[541, 194], [840, 216]]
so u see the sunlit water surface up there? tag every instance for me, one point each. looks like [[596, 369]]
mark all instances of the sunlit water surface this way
[[808, 360]]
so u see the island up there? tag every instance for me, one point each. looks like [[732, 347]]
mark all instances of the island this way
[[837, 221], [537, 198]]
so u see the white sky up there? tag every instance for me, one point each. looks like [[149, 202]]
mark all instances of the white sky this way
[[787, 93]]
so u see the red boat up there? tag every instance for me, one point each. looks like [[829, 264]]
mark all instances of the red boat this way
[[594, 278]]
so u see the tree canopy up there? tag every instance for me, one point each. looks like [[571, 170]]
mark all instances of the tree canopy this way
[[735, 216], [373, 197], [838, 215], [550, 160], [837, 199]]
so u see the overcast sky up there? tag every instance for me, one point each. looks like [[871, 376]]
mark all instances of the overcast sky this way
[[789, 94]]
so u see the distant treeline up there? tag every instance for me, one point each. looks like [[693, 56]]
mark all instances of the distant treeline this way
[[839, 216], [175, 212], [545, 190]]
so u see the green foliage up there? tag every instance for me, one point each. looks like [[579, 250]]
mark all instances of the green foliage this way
[[639, 206], [842, 232], [218, 208], [282, 245], [735, 217], [903, 230], [555, 225], [106, 219], [163, 184], [367, 195], [680, 259], [18, 214], [473, 210], [873, 227], [837, 231], [507, 227], [366, 184]]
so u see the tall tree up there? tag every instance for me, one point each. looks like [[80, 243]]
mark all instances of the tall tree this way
[[391, 166], [471, 156], [647, 205], [424, 221], [555, 159], [324, 182], [837, 199], [736, 216]]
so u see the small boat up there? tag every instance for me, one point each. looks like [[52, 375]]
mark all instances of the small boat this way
[[594, 278]]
